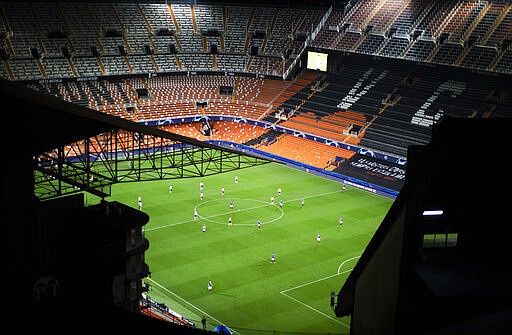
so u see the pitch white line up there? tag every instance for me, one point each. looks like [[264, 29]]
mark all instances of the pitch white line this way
[[316, 281], [207, 218], [169, 225], [344, 262], [317, 195], [315, 310], [312, 308], [188, 303], [312, 282], [255, 207]]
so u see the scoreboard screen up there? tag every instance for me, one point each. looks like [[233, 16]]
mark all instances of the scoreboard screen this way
[[317, 61]]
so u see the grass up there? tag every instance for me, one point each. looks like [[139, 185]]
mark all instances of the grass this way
[[249, 293]]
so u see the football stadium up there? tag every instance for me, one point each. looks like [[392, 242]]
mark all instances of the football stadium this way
[[267, 167]]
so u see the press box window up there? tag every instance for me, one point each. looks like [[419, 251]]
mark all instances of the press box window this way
[[442, 240]]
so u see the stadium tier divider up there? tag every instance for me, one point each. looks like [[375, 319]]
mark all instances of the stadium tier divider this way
[[358, 149]]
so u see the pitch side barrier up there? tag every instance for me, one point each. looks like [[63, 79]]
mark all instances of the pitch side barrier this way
[[310, 169]]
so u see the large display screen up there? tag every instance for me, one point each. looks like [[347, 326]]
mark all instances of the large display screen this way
[[317, 61]]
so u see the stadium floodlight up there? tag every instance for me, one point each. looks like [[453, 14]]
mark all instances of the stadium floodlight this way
[[433, 212]]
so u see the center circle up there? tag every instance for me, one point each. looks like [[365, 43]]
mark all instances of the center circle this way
[[245, 212]]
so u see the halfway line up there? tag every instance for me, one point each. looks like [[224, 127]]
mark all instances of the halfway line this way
[[255, 207]]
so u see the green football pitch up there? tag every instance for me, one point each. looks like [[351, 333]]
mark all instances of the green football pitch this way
[[250, 294]]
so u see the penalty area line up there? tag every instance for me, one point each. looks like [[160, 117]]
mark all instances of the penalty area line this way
[[310, 307], [315, 310], [283, 292]]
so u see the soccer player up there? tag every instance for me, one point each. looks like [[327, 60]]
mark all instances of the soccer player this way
[[302, 202], [273, 258], [281, 203], [236, 179], [272, 200], [343, 188], [279, 191], [201, 186], [204, 228], [201, 195], [170, 189], [195, 214], [341, 220], [222, 191], [318, 238], [231, 205], [230, 221], [210, 286], [140, 203], [259, 224]]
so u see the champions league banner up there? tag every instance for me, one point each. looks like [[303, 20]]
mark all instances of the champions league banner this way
[[400, 162], [374, 171]]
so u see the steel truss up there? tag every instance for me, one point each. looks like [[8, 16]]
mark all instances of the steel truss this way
[[118, 155]]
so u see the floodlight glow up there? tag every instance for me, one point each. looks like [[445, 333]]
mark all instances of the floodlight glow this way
[[433, 212]]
